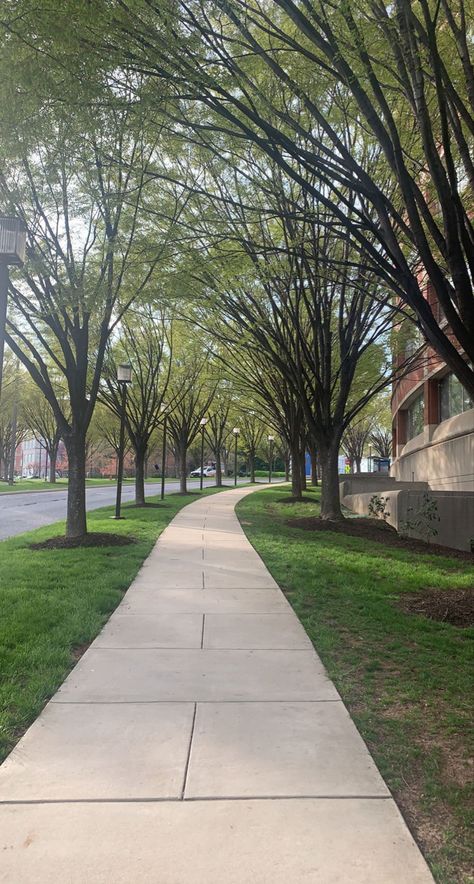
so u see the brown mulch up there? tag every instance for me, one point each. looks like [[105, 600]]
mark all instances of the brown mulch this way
[[454, 606], [380, 532], [92, 539]]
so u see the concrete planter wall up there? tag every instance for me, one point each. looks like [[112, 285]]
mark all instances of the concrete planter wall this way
[[455, 508]]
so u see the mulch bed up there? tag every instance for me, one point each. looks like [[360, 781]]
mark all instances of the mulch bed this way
[[92, 539], [380, 532], [454, 606]]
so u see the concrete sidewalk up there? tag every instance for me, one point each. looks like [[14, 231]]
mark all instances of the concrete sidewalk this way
[[199, 741]]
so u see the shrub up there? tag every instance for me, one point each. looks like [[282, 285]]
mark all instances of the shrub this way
[[422, 520], [378, 507]]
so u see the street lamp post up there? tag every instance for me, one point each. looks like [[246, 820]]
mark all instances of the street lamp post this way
[[236, 432], [202, 424], [124, 376], [163, 456], [271, 440], [12, 251]]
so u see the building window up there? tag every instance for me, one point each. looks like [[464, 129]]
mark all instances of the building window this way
[[416, 417], [453, 398]]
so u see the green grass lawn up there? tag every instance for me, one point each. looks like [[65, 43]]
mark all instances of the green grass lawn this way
[[407, 680], [61, 484], [52, 602]]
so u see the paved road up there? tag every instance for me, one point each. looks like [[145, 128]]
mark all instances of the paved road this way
[[24, 512]]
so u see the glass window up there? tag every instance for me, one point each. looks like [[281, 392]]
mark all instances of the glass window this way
[[416, 417], [453, 398]]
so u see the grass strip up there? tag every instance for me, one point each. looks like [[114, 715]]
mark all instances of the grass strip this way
[[54, 602], [407, 680], [61, 484]]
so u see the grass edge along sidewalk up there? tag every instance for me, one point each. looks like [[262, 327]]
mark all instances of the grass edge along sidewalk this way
[[53, 603], [406, 680]]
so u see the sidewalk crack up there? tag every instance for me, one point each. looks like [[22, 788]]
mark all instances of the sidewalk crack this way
[[189, 754]]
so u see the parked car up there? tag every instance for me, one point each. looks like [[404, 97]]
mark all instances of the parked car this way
[[207, 473]]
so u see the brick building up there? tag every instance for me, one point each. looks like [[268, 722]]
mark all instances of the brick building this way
[[433, 424]]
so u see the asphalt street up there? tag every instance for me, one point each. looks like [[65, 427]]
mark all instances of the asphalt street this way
[[21, 512]]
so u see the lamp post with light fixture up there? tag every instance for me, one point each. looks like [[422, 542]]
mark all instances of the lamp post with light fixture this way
[[271, 440], [12, 251], [202, 424], [124, 376], [236, 432]]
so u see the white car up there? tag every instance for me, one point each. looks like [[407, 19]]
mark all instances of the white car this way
[[207, 473]]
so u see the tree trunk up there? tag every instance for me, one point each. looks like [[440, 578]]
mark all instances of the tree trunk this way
[[140, 456], [183, 486], [53, 455], [218, 469], [296, 478], [302, 465], [76, 524], [287, 468], [252, 465], [330, 500], [314, 469], [358, 461]]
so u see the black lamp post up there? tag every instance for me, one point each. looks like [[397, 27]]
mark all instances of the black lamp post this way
[[163, 455], [202, 424], [124, 376], [12, 251], [236, 432], [271, 440]]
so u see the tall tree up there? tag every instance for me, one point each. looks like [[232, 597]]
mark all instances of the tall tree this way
[[376, 100], [193, 388], [300, 298], [218, 429], [77, 183], [253, 431], [145, 342], [355, 440], [39, 417]]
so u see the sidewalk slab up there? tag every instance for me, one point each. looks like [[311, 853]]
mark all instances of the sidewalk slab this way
[[263, 750], [206, 601], [123, 676], [210, 842], [152, 631], [122, 751], [258, 631]]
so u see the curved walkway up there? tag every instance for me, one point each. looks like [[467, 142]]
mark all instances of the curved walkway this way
[[199, 741]]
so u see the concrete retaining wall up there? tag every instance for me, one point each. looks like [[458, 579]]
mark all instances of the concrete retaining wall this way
[[455, 509]]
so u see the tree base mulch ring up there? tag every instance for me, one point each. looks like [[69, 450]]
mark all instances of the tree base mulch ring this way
[[380, 532], [92, 539], [454, 606]]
